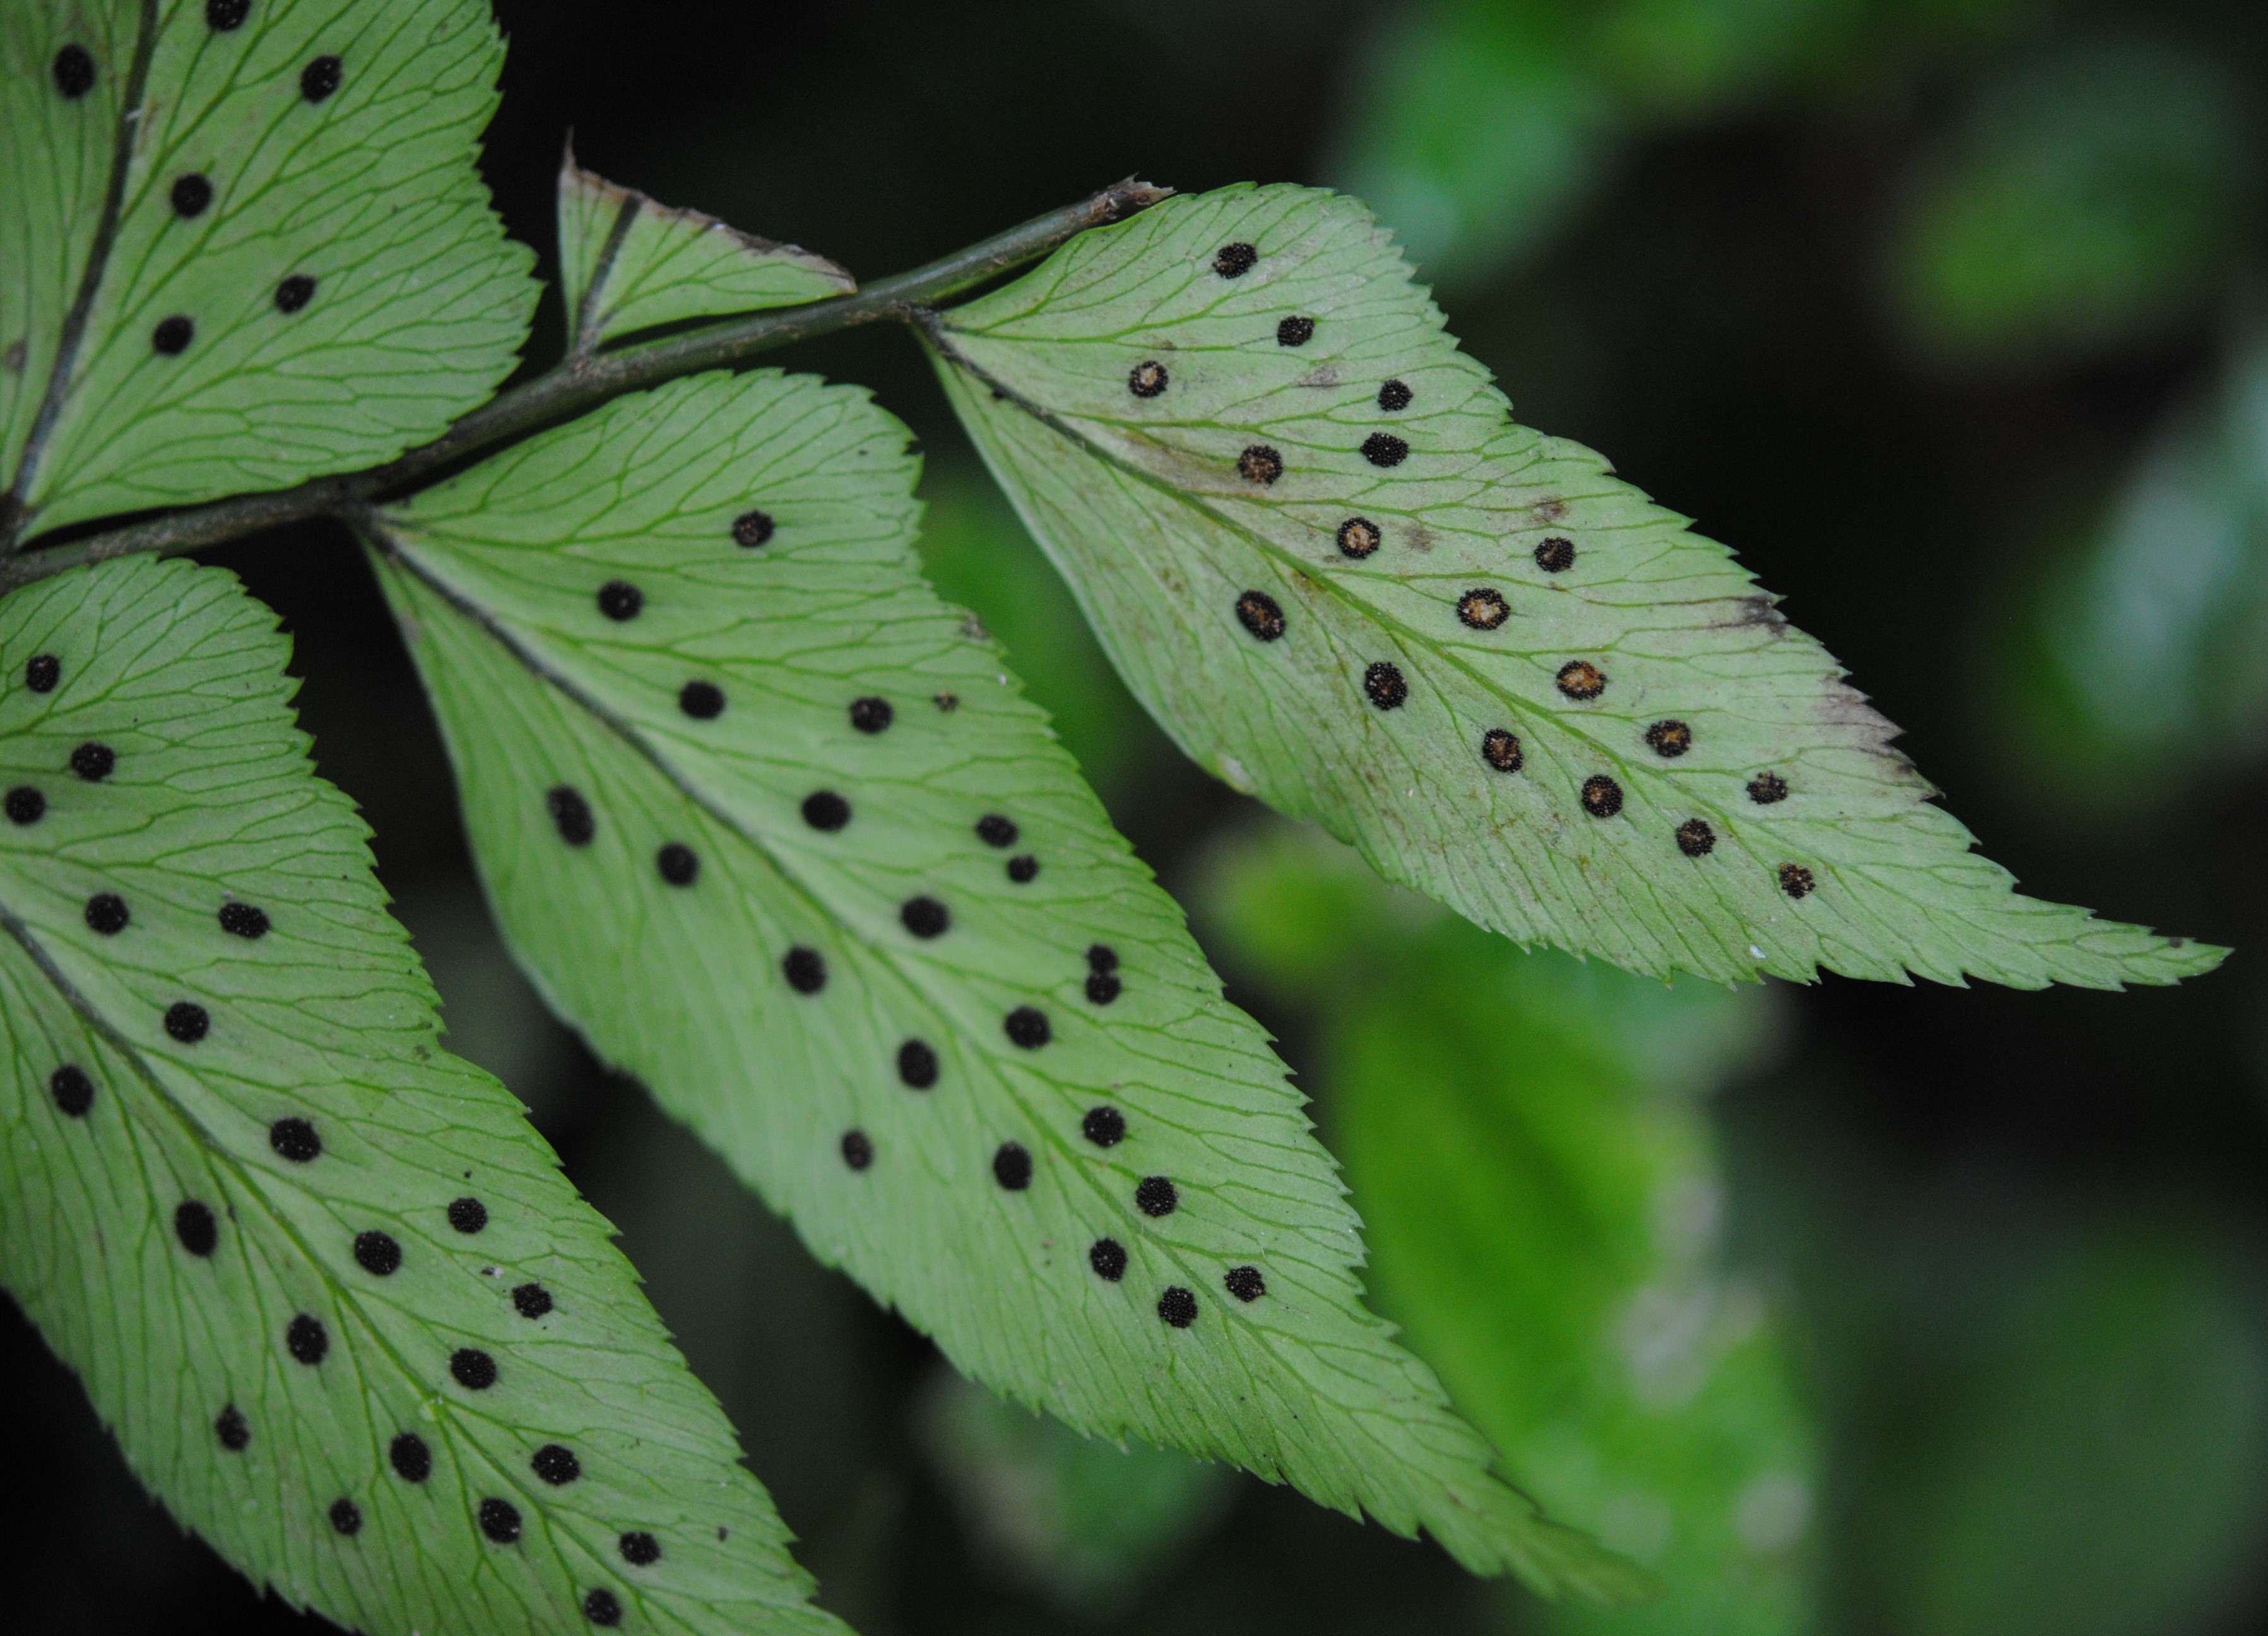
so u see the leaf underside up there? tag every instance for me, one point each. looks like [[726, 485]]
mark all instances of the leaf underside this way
[[627, 264], [322, 1279], [290, 269], [1321, 552], [773, 826]]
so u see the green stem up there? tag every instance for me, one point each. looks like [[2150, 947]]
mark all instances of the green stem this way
[[578, 385]]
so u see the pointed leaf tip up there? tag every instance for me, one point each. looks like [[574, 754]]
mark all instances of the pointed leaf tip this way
[[627, 263]]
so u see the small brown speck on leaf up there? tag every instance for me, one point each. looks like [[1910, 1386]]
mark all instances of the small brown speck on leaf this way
[[1669, 739], [1580, 679], [1258, 613], [1358, 537], [1483, 609], [1500, 750]]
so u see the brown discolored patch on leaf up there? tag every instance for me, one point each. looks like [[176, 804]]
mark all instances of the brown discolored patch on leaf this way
[[1321, 375], [1419, 537], [1170, 464], [1753, 610], [1580, 679], [1761, 610], [1550, 511]]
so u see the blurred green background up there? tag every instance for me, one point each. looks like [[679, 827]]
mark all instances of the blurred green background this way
[[1849, 1309]]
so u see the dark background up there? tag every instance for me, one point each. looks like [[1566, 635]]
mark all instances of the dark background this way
[[1901, 301]]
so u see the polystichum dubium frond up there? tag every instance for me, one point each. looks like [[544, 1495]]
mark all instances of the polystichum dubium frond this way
[[774, 826]]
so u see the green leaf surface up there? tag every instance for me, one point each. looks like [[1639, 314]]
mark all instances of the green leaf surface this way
[[1325, 556], [325, 1283], [627, 264], [772, 825], [977, 555], [241, 245], [1544, 1209]]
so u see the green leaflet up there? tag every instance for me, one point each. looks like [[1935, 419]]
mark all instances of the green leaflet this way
[[292, 269], [1543, 1211], [1322, 555], [231, 1151], [770, 823], [627, 264]]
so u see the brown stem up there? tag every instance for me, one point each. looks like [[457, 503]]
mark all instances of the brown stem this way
[[580, 384]]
